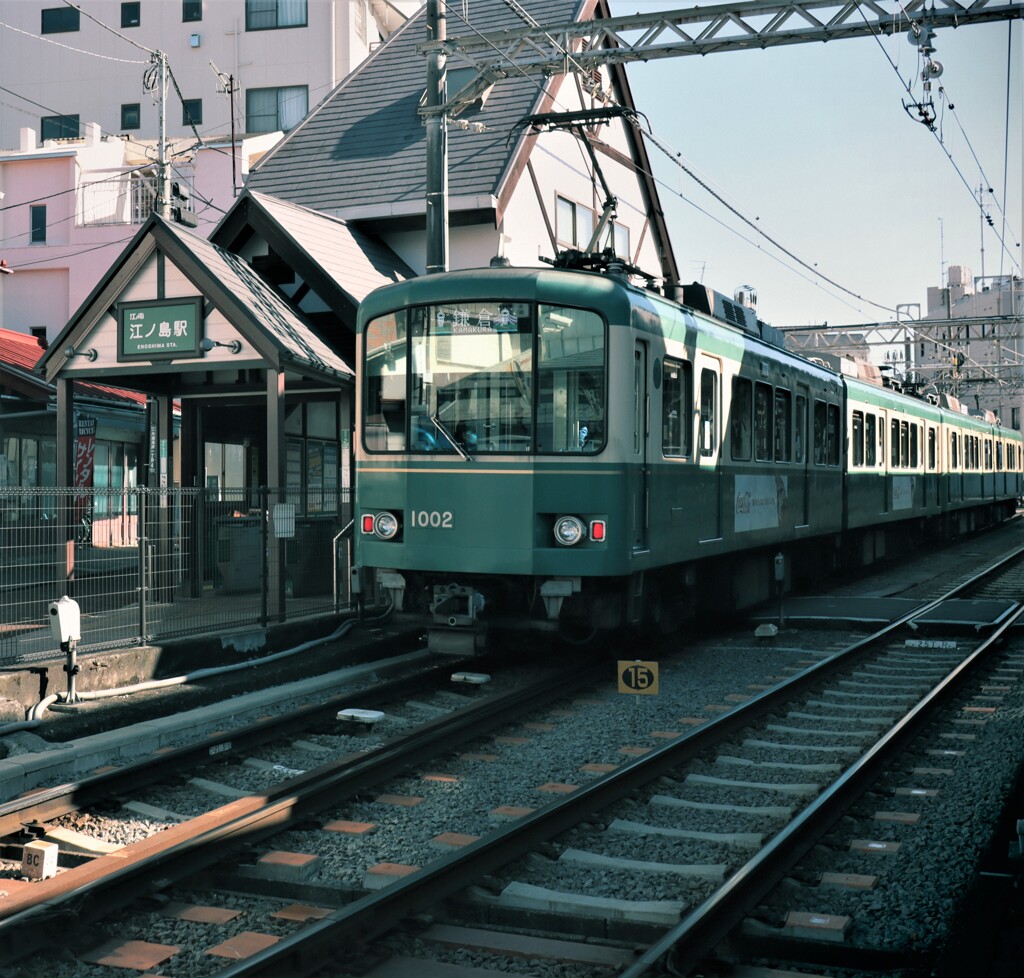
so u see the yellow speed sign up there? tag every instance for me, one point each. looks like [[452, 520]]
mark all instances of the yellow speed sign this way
[[638, 677]]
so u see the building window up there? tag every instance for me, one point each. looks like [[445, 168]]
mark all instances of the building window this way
[[616, 236], [192, 112], [131, 115], [59, 20], [574, 223], [37, 224], [360, 13], [270, 109], [265, 15], [131, 14], [191, 10], [59, 127]]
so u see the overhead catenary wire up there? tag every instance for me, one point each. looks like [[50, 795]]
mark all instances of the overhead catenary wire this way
[[930, 126]]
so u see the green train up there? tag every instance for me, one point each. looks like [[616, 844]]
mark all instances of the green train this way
[[565, 449]]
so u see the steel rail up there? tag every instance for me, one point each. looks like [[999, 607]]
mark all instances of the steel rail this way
[[61, 799], [90, 891], [312, 948], [700, 930]]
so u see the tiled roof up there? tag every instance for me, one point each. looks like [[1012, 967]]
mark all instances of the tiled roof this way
[[264, 307], [19, 349], [365, 143], [21, 352], [357, 262]]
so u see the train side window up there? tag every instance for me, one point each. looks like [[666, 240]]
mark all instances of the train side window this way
[[763, 422], [904, 444], [915, 438], [954, 451], [894, 443], [832, 434], [931, 449], [820, 436], [999, 456], [386, 408], [739, 419], [783, 426], [988, 454], [857, 439], [870, 423], [708, 413], [800, 430], [676, 401]]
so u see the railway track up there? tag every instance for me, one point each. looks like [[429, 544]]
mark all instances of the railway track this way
[[768, 763]]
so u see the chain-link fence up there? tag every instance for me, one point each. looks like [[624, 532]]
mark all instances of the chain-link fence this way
[[147, 565]]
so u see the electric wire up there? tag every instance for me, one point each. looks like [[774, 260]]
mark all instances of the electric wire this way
[[60, 44], [107, 27], [809, 267], [930, 127]]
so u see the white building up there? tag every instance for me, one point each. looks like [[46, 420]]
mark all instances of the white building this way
[[968, 341]]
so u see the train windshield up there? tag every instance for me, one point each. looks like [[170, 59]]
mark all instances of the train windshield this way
[[485, 377]]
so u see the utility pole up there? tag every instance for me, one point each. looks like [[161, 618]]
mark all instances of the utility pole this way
[[163, 203], [437, 144]]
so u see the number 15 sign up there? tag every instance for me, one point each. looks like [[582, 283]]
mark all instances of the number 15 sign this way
[[638, 677]]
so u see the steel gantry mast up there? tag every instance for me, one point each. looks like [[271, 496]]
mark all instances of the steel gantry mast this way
[[586, 45]]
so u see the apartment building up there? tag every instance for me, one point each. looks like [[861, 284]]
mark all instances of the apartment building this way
[[261, 64]]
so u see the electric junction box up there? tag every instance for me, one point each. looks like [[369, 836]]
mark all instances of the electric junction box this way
[[65, 620]]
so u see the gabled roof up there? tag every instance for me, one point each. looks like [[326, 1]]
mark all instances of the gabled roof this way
[[231, 284], [234, 282], [365, 143], [348, 262]]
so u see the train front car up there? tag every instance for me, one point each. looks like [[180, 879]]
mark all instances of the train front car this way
[[490, 484]]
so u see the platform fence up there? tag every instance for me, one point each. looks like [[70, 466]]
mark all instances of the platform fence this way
[[148, 565]]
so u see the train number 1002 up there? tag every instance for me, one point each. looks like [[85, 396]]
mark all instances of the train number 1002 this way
[[431, 517]]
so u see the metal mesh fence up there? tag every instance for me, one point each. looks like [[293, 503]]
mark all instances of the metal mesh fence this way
[[147, 565]]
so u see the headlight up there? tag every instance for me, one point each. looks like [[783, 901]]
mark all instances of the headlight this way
[[385, 525], [569, 530]]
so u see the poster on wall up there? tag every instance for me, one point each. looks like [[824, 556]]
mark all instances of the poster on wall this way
[[85, 458]]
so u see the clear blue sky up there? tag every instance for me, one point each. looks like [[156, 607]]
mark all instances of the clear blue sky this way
[[812, 142]]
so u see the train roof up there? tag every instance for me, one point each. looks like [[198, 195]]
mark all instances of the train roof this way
[[591, 289]]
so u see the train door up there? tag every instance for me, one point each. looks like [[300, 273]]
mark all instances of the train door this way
[[639, 460], [931, 479], [709, 422]]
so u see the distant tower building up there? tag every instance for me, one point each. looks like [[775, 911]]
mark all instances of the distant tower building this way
[[966, 346]]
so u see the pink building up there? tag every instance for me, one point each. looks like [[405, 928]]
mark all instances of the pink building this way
[[70, 205]]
